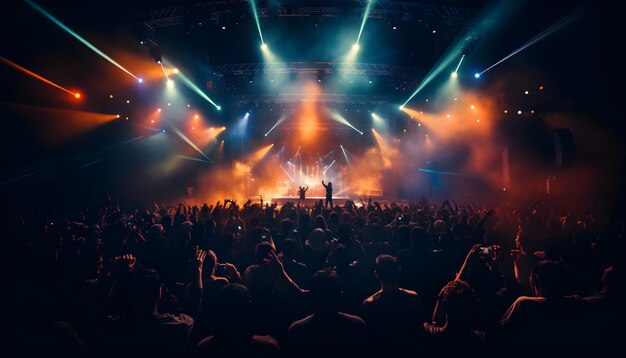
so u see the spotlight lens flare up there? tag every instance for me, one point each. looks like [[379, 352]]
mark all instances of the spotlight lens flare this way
[[77, 95], [264, 47], [454, 75], [355, 47], [140, 80], [476, 75]]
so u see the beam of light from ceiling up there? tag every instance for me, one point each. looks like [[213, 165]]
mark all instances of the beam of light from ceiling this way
[[80, 38], [444, 173], [280, 120], [258, 23], [368, 8], [186, 81], [345, 154], [281, 167], [491, 17], [339, 118], [41, 78], [328, 167], [542, 35], [456, 70], [184, 137], [193, 159]]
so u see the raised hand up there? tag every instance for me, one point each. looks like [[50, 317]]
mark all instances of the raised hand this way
[[198, 258], [123, 263]]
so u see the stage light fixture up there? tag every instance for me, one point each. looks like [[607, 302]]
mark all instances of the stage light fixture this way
[[355, 47], [264, 47], [77, 95], [476, 75], [140, 80], [162, 130], [454, 75]]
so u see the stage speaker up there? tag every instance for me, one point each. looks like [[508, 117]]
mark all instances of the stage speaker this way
[[564, 147]]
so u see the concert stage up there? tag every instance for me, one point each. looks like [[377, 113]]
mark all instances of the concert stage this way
[[310, 201]]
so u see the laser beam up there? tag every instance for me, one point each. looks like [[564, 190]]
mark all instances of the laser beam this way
[[444, 173], [542, 35], [256, 19], [339, 118], [78, 37], [184, 137], [368, 8], [456, 70], [345, 154], [281, 167], [187, 82], [280, 120], [192, 158], [328, 167], [33, 74]]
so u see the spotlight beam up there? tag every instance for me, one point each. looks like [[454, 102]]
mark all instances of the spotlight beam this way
[[444, 173], [256, 19], [78, 37], [187, 82], [184, 137], [543, 34], [339, 118], [165, 72], [280, 120], [459, 65], [345, 154], [33, 74], [328, 167], [192, 158], [281, 167], [368, 8]]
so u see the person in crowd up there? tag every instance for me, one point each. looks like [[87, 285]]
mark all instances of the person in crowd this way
[[393, 314], [327, 329], [232, 334]]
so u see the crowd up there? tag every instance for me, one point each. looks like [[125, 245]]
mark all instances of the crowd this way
[[365, 279]]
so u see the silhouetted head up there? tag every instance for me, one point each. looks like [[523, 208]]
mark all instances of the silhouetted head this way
[[547, 279], [290, 248], [330, 185], [418, 236], [387, 270], [325, 290], [262, 250], [145, 290], [234, 302], [459, 303], [320, 223]]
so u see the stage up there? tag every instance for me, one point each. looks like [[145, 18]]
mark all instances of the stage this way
[[309, 201]]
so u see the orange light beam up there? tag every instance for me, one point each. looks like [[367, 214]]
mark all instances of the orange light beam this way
[[33, 74]]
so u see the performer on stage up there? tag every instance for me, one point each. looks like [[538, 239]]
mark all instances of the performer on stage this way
[[302, 191], [329, 194]]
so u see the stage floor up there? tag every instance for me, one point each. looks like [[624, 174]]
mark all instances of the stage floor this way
[[310, 200]]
